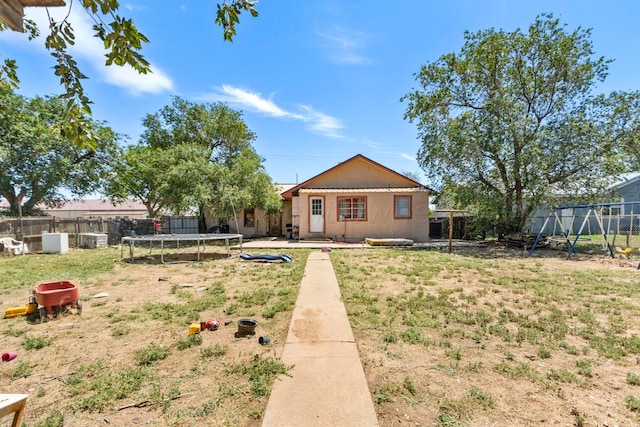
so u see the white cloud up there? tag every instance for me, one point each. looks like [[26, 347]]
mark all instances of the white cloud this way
[[321, 123], [343, 46], [372, 144], [129, 79], [252, 101], [130, 6], [90, 49], [316, 121], [408, 157]]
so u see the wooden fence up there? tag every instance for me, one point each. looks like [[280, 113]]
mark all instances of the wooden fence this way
[[30, 229]]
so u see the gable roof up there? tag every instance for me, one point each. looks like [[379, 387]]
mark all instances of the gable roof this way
[[99, 205], [283, 188], [95, 207], [410, 182], [625, 179]]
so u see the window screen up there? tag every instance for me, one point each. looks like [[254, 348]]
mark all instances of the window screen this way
[[352, 208], [403, 206]]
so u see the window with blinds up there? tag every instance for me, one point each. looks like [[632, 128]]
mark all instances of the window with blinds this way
[[352, 208], [402, 207]]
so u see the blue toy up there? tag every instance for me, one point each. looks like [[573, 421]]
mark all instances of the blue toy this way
[[266, 257]]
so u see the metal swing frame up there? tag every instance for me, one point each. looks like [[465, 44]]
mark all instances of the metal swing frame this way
[[565, 233]]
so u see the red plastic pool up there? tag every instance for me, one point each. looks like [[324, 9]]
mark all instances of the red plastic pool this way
[[56, 296]]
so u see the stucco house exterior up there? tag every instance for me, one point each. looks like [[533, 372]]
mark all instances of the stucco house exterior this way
[[253, 222], [354, 200]]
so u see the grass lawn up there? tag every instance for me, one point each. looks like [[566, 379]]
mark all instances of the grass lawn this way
[[489, 337], [128, 357], [478, 337]]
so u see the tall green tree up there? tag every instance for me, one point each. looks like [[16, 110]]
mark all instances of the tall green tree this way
[[123, 43], [37, 165], [194, 157], [191, 180], [623, 119], [512, 118], [216, 128], [138, 173], [245, 183]]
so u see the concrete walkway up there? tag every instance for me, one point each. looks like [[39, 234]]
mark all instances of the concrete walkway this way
[[327, 386]]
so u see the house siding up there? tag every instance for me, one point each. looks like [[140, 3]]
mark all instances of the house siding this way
[[264, 224], [629, 193], [358, 174], [379, 223], [357, 177]]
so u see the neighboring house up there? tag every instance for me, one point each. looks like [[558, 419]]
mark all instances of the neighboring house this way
[[357, 199], [93, 208], [253, 222], [623, 193], [626, 190], [96, 208]]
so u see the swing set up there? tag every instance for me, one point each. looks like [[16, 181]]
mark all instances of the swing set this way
[[607, 223]]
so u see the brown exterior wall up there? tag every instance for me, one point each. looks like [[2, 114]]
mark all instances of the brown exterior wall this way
[[358, 174], [263, 224], [379, 223], [257, 228]]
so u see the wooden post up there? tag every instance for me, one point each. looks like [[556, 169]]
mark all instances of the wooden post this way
[[451, 213], [21, 228], [630, 228], [450, 231]]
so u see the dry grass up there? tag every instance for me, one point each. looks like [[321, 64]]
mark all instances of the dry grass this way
[[489, 337], [474, 338], [128, 358]]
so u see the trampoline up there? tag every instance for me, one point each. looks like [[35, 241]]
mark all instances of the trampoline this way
[[200, 240]]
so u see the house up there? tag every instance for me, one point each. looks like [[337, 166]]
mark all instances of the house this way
[[620, 198], [11, 12], [91, 208], [95, 208], [253, 222], [355, 200], [626, 189]]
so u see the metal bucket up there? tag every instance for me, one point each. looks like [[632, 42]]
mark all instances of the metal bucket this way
[[246, 327]]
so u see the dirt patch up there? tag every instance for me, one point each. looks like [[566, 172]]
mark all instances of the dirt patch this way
[[145, 306]]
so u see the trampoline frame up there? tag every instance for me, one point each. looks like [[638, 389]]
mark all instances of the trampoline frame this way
[[201, 240]]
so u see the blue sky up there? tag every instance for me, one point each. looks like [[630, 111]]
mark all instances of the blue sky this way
[[317, 81]]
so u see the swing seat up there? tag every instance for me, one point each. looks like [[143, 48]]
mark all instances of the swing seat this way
[[621, 251]]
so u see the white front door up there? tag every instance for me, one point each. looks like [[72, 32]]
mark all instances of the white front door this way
[[316, 219]]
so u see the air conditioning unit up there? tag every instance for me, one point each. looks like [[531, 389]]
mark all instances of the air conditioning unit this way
[[55, 243], [92, 240]]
